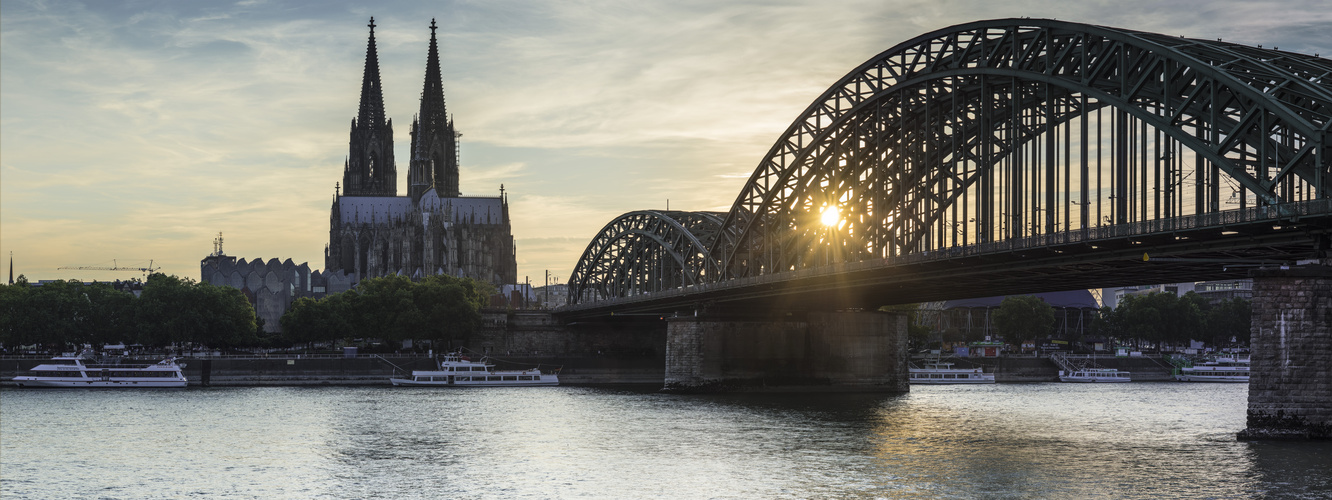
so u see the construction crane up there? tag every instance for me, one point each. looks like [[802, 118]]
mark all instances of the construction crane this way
[[115, 267]]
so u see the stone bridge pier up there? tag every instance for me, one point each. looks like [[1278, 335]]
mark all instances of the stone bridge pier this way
[[819, 351], [1290, 383]]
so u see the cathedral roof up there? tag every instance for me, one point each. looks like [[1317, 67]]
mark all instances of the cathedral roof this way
[[479, 210], [373, 209], [383, 209]]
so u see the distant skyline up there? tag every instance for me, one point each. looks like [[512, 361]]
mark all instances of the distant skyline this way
[[137, 131]]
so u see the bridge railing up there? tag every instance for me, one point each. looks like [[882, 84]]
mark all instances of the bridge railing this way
[[1218, 220]]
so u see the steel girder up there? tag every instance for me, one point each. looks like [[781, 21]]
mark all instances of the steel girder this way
[[970, 117], [998, 131], [646, 251]]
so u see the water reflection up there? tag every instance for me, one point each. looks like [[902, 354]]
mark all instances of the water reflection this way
[[996, 441], [1062, 441], [1290, 469]]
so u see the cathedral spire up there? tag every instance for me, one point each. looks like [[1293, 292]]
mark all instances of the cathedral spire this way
[[434, 143], [372, 96], [370, 170], [432, 97]]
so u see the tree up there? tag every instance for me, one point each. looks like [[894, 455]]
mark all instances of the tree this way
[[1229, 319], [176, 310], [1022, 317], [310, 320], [1108, 323], [18, 324], [60, 310], [228, 318], [1158, 318], [392, 308], [385, 308], [110, 316]]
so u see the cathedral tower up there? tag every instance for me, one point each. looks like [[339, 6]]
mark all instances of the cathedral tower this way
[[434, 142], [370, 170]]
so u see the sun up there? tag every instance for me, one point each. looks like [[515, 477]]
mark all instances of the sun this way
[[830, 216]]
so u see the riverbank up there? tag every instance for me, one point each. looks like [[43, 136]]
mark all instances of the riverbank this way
[[363, 370], [371, 370]]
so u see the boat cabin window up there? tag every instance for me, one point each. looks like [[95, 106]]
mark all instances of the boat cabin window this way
[[44, 373]]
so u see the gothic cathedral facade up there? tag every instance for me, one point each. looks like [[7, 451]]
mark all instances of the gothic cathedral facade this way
[[434, 229]]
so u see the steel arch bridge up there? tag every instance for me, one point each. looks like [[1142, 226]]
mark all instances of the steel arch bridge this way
[[1033, 147]]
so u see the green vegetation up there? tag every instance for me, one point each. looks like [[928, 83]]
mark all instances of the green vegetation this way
[[174, 311], [392, 308], [171, 312], [1021, 317], [1165, 318]]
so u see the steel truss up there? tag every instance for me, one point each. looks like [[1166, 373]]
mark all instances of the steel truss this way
[[1010, 129], [647, 251]]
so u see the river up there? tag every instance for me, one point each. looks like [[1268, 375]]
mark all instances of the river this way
[[1047, 440]]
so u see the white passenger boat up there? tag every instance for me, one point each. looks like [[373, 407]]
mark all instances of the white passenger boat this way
[[944, 373], [81, 371], [456, 370], [1217, 370], [1094, 375]]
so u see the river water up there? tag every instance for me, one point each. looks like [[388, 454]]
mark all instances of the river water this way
[[1050, 440]]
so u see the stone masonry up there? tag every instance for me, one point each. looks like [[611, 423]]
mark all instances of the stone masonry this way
[[1290, 385], [824, 351]]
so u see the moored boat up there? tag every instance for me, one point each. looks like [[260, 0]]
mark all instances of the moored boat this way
[[456, 370], [1221, 369], [81, 371], [1094, 375], [944, 373]]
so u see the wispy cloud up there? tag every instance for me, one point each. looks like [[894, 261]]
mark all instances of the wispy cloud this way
[[142, 128]]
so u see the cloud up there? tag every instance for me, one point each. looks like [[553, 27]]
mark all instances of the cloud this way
[[491, 174], [142, 129]]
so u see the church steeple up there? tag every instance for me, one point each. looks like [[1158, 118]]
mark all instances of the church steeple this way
[[434, 142], [370, 169], [372, 96]]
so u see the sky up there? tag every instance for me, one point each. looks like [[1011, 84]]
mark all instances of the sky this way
[[134, 132]]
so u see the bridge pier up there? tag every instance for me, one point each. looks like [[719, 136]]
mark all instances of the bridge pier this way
[[840, 351], [1290, 383]]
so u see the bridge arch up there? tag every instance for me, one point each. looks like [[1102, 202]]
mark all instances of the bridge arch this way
[[1002, 134], [646, 251], [984, 132]]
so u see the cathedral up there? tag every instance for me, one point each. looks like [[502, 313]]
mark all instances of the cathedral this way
[[374, 232], [434, 229]]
